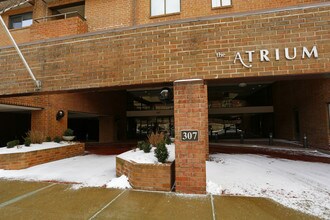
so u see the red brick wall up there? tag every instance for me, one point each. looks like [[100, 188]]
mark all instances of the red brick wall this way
[[40, 9], [309, 98], [19, 161], [27, 101], [42, 30], [62, 2], [200, 8], [20, 35], [191, 113], [158, 177], [169, 52], [102, 14], [100, 103], [122, 13], [58, 28]]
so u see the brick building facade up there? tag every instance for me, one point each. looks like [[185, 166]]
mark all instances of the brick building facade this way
[[96, 64]]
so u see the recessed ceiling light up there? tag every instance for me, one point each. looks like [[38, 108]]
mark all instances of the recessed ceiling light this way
[[242, 85]]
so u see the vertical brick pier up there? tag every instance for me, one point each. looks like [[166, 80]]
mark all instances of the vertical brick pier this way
[[191, 113]]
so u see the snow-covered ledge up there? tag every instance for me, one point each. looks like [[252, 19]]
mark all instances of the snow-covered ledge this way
[[144, 172], [24, 157]]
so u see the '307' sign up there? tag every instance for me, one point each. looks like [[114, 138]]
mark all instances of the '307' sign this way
[[189, 135]]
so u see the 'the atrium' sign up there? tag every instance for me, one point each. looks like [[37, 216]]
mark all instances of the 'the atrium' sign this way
[[264, 55]]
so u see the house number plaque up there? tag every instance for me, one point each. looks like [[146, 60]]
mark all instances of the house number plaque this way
[[189, 135]]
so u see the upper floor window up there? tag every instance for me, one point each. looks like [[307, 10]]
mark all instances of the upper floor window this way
[[220, 3], [163, 7], [20, 21]]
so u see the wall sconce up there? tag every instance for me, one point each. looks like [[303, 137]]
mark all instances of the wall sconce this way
[[59, 115], [166, 95]]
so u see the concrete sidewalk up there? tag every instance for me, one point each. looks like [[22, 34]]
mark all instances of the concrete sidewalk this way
[[35, 200]]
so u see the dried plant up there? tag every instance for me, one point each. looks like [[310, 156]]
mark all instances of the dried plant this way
[[36, 137], [156, 138]]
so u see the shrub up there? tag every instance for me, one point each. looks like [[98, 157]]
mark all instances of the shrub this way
[[146, 147], [161, 152], [36, 137], [27, 142], [155, 138], [12, 144], [140, 144], [68, 132], [48, 139], [57, 139], [168, 140]]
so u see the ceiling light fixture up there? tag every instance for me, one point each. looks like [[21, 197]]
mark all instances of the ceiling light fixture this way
[[242, 85]]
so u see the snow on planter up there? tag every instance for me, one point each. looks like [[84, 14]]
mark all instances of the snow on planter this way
[[138, 156], [24, 157], [145, 172]]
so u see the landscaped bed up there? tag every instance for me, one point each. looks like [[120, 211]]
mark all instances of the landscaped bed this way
[[21, 157], [144, 171]]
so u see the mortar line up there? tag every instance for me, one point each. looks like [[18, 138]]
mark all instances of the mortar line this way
[[213, 209], [106, 206], [18, 198]]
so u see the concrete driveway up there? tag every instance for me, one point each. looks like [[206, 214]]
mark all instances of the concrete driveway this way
[[39, 200]]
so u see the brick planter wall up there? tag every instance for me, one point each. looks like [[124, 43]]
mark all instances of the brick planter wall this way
[[23, 160], [157, 177]]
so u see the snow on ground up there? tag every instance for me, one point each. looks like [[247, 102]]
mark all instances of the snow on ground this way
[[120, 183], [33, 147], [300, 185], [139, 156], [292, 150], [304, 186], [88, 171]]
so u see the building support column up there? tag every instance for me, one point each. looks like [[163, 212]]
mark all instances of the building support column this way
[[191, 114], [45, 121], [107, 129], [41, 10]]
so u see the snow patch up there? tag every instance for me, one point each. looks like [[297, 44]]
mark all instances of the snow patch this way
[[33, 147], [213, 188], [88, 171], [303, 186], [119, 183], [138, 156]]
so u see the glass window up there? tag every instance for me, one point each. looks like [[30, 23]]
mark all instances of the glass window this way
[[162, 7], [20, 21], [220, 3], [172, 6]]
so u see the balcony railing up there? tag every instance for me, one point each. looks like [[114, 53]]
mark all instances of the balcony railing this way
[[60, 16]]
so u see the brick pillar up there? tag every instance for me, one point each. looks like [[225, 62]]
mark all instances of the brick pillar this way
[[191, 113], [107, 130], [40, 10], [45, 121]]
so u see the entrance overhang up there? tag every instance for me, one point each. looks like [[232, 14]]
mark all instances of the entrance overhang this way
[[16, 108], [149, 113], [242, 110]]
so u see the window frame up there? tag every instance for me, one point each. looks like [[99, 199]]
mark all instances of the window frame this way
[[221, 7], [11, 17], [165, 14]]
